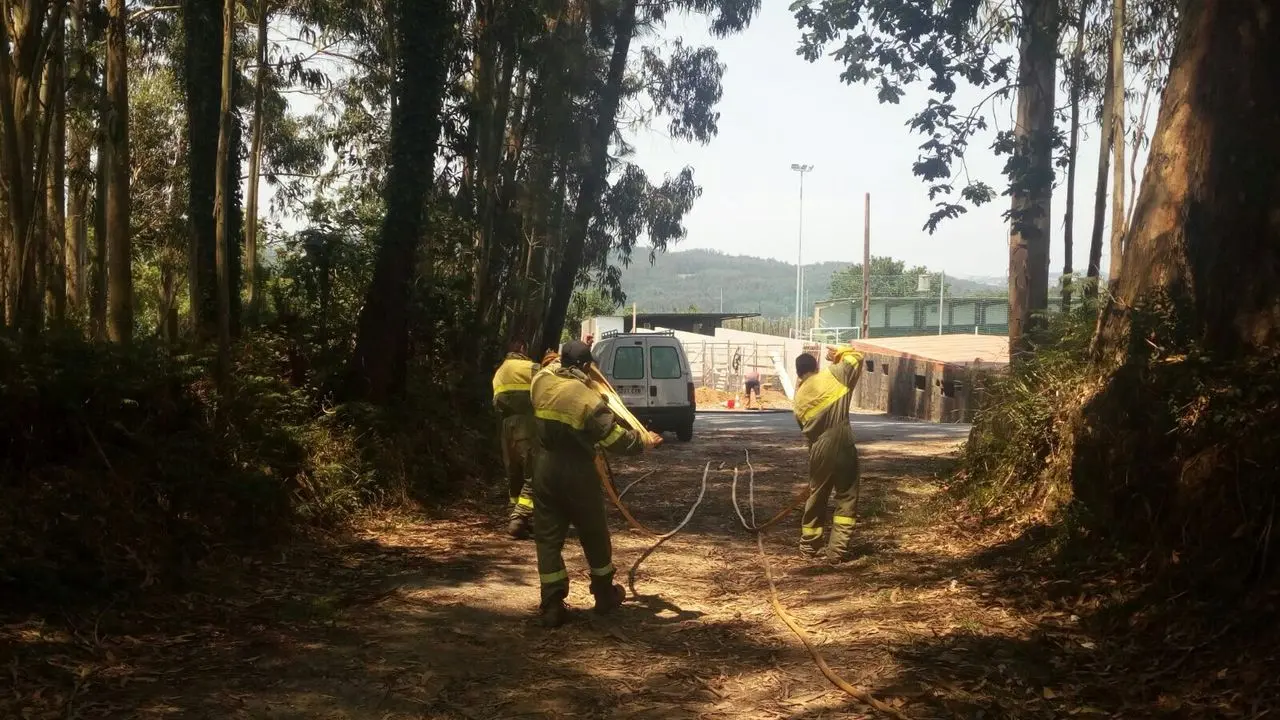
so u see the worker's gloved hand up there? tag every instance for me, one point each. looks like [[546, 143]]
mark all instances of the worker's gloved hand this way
[[652, 440], [833, 353], [550, 357]]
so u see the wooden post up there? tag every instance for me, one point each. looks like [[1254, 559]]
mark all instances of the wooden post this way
[[866, 268]]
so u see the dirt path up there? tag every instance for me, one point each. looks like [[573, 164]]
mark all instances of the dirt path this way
[[435, 619]]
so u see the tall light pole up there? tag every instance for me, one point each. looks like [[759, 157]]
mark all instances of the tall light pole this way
[[802, 169]]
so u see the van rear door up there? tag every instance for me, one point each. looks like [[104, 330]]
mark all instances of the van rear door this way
[[626, 370], [668, 373]]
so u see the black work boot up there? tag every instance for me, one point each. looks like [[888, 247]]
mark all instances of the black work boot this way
[[520, 528], [554, 612], [610, 598]]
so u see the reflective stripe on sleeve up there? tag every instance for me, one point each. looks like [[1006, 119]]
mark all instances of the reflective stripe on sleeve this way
[[562, 418], [616, 434]]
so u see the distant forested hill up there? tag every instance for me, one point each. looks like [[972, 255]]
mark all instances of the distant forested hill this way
[[694, 279]]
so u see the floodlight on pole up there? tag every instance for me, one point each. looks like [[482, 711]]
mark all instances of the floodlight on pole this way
[[802, 169]]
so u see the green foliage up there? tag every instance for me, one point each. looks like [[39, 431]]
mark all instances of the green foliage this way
[[1015, 431], [584, 305], [114, 475], [889, 278]]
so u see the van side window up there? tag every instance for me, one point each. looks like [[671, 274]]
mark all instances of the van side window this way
[[664, 363], [628, 363]]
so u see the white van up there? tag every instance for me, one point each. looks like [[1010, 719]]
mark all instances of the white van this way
[[651, 373]]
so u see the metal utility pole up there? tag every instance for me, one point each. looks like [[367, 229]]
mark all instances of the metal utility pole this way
[[802, 169], [866, 268]]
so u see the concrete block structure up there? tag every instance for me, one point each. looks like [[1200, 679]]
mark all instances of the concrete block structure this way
[[936, 378]]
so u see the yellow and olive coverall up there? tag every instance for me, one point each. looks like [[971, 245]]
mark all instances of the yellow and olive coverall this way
[[822, 408], [573, 423], [511, 385]]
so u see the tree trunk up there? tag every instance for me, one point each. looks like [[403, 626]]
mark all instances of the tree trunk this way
[[119, 249], [77, 236], [202, 76], [222, 199], [1032, 188], [1203, 255], [24, 148], [1100, 190], [1073, 152], [1204, 222], [98, 264], [1117, 140], [55, 188], [255, 166], [423, 44], [592, 183]]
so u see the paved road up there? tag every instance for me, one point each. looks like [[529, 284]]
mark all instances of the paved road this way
[[866, 428]]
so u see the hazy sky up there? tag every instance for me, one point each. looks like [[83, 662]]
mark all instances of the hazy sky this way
[[779, 109]]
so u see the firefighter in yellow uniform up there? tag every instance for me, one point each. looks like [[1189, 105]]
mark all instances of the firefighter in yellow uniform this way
[[519, 436], [822, 403], [574, 423]]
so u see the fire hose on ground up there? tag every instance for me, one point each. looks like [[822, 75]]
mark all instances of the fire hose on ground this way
[[758, 530], [616, 405]]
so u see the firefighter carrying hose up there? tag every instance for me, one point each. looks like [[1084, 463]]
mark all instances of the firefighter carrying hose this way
[[573, 423], [519, 435], [822, 403]]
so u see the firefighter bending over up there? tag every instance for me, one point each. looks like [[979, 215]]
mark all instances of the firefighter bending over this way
[[519, 435], [822, 403], [573, 423]]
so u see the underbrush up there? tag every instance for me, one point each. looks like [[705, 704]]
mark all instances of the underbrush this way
[[1172, 455], [115, 472], [1006, 467]]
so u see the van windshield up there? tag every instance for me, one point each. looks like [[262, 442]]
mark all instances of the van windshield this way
[[664, 363]]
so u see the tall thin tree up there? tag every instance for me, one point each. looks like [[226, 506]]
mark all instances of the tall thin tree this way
[[119, 247], [255, 164], [222, 197], [1117, 140]]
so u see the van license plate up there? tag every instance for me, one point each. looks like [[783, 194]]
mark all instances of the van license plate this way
[[630, 389]]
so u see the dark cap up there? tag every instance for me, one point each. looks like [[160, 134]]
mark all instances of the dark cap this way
[[575, 353]]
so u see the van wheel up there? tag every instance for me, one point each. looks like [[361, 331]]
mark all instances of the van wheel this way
[[685, 434]]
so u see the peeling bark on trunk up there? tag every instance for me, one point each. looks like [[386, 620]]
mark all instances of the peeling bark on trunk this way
[[1205, 227], [593, 178], [1031, 221], [119, 249]]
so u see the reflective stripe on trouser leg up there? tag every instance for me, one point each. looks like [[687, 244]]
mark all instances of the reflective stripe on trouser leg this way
[[811, 536], [846, 483], [522, 505], [549, 529], [590, 518]]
